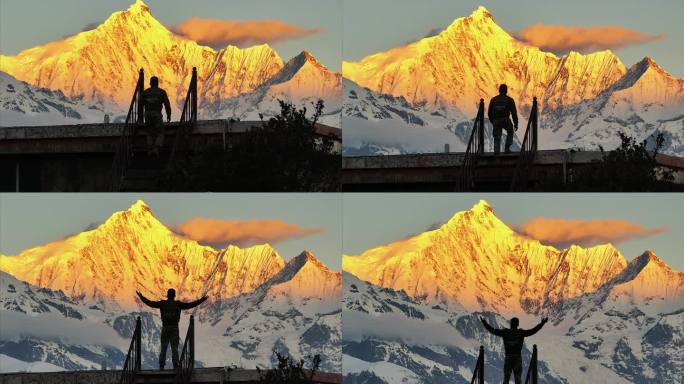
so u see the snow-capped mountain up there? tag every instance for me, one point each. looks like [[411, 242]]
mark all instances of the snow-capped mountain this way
[[297, 311], [302, 81], [583, 99], [101, 66], [415, 317], [647, 100], [377, 124], [77, 312], [24, 104], [132, 251], [479, 262]]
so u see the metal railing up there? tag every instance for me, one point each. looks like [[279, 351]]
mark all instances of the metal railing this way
[[475, 147], [122, 155], [528, 150], [478, 374], [186, 125], [532, 373], [187, 358], [133, 358]]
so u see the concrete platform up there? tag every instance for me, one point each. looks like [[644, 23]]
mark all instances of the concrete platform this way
[[200, 375], [441, 171]]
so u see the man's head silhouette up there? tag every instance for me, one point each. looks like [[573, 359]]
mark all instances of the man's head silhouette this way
[[503, 89], [514, 323], [171, 294], [154, 81]]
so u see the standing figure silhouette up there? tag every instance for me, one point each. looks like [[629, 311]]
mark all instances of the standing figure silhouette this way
[[170, 314], [500, 107], [153, 98], [513, 342]]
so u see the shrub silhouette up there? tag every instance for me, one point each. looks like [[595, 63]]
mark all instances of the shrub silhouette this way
[[290, 372]]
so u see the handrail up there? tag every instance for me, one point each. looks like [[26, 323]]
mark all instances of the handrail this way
[[122, 155], [475, 147], [187, 122], [133, 358], [187, 358], [478, 374], [528, 150], [532, 373]]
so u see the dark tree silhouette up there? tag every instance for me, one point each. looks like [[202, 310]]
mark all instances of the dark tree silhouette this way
[[285, 153], [290, 372]]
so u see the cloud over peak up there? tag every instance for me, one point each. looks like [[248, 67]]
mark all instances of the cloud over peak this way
[[561, 39], [563, 232], [219, 33], [242, 233]]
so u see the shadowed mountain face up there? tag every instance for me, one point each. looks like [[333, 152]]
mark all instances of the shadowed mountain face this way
[[100, 67], [584, 99], [411, 307], [71, 303]]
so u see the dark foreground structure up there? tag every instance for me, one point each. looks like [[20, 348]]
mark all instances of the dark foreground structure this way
[[199, 375], [442, 171], [78, 158]]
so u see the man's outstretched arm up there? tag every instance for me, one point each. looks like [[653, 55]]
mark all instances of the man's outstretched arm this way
[[193, 304], [530, 332], [147, 301], [494, 331]]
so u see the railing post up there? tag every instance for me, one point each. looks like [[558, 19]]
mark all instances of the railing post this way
[[481, 380], [138, 349], [534, 124], [194, 94], [534, 371], [480, 133], [139, 89]]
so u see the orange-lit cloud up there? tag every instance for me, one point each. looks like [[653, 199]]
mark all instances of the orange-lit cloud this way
[[562, 232], [241, 232], [562, 39], [219, 33]]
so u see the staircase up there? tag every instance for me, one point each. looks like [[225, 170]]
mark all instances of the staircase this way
[[530, 378], [133, 169], [485, 172], [132, 372]]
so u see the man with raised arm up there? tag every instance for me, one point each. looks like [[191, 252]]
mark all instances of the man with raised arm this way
[[170, 314], [513, 338]]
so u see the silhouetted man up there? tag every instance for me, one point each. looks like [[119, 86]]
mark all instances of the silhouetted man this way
[[153, 99], [170, 314], [500, 107], [513, 342]]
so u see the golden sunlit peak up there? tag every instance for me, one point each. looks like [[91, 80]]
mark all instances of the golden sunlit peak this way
[[482, 206], [139, 206], [139, 6], [480, 13]]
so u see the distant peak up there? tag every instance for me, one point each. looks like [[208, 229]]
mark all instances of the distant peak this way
[[139, 7], [481, 13], [482, 207], [140, 207]]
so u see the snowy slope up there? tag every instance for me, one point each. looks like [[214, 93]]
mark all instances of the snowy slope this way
[[23, 104], [584, 99], [389, 336], [296, 311], [377, 124], [302, 81]]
